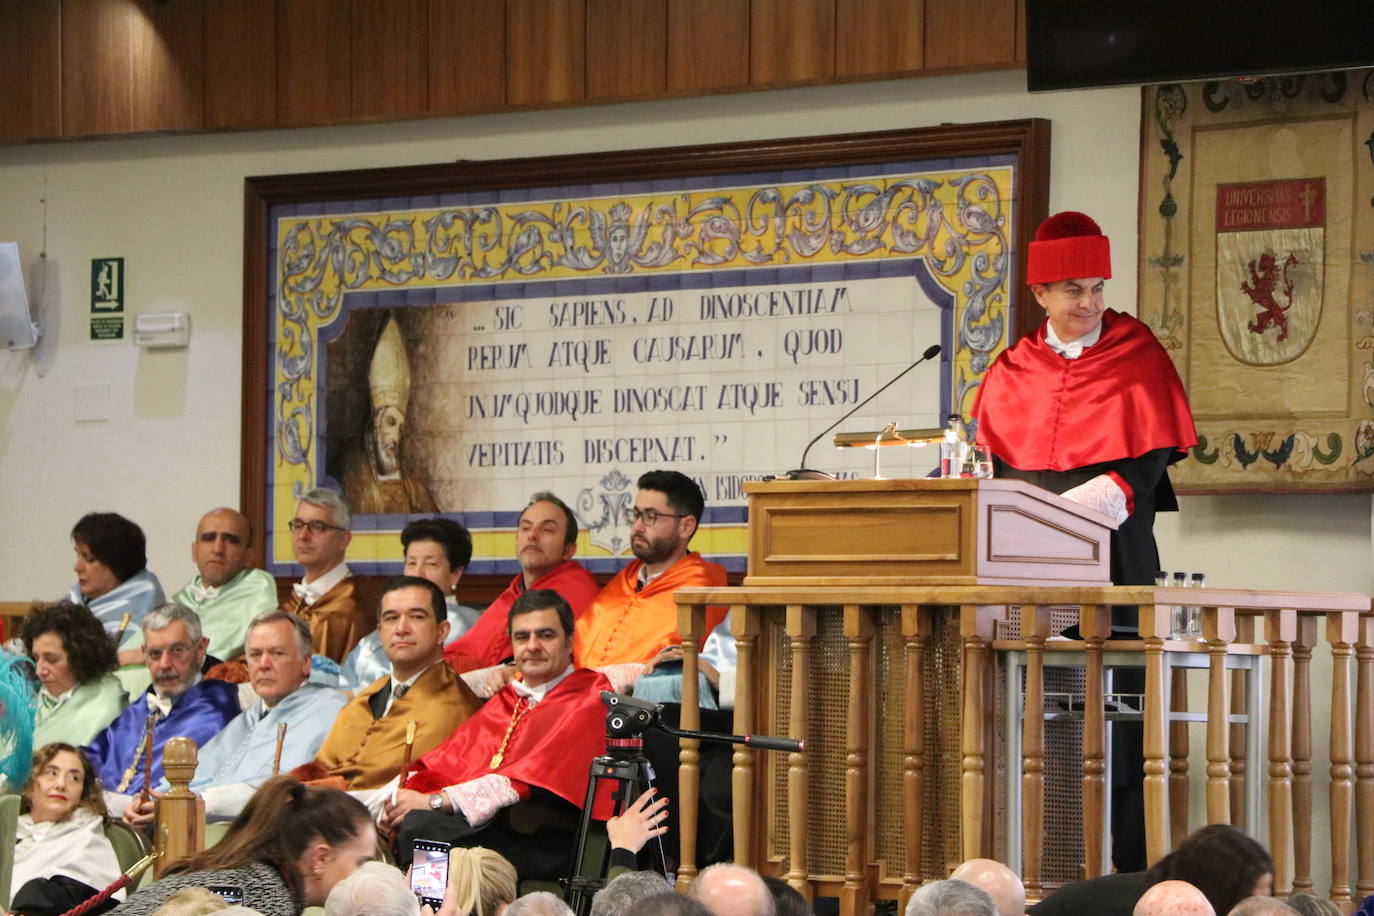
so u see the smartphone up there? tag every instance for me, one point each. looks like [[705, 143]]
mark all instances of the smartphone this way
[[429, 871], [232, 894]]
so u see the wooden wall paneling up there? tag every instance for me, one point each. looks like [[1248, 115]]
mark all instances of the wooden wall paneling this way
[[1021, 31], [546, 51], [167, 65], [791, 40], [627, 48], [240, 39], [30, 69], [467, 56], [970, 33], [314, 61], [390, 58], [879, 37], [708, 45], [96, 70]]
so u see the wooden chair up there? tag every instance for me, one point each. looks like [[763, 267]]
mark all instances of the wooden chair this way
[[9, 828]]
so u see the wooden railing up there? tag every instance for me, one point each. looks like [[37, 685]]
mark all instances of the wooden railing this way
[[781, 630]]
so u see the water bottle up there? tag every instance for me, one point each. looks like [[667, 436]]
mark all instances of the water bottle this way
[[954, 447], [1199, 580]]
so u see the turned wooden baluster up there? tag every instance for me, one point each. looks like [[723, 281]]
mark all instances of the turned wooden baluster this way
[[975, 626], [1035, 629], [1245, 633], [1219, 631], [801, 629], [1364, 759], [916, 629], [1154, 629], [1178, 757], [1341, 631], [1095, 625], [691, 621], [1302, 753], [744, 623], [180, 813], [1280, 629], [858, 630]]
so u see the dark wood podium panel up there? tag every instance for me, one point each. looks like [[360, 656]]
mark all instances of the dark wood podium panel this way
[[913, 532]]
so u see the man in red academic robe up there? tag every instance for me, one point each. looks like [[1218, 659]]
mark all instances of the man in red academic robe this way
[[545, 542], [531, 745], [1090, 406]]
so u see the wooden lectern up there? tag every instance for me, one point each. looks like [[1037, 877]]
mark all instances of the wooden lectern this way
[[863, 626]]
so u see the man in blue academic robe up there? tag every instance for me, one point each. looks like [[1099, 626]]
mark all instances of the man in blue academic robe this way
[[245, 754], [181, 702]]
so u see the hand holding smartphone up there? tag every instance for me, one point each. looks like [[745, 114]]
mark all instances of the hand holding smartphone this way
[[429, 871]]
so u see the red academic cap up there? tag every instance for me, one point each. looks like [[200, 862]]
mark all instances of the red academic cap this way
[[1068, 245]]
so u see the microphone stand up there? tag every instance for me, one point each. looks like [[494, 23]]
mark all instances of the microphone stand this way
[[805, 473]]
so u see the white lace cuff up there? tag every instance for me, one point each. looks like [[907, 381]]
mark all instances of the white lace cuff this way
[[1101, 494], [622, 676], [479, 799]]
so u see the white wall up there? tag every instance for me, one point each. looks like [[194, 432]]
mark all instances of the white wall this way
[[172, 207]]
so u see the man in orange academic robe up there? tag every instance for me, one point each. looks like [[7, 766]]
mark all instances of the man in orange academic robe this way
[[634, 618]]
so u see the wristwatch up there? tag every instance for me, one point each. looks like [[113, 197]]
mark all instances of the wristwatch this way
[[436, 801]]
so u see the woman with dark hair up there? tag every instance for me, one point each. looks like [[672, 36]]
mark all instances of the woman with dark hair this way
[[112, 577], [285, 851], [75, 661], [61, 857], [1219, 860]]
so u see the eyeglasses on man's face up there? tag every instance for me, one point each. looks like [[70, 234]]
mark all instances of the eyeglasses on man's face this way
[[649, 517], [315, 526], [177, 651]]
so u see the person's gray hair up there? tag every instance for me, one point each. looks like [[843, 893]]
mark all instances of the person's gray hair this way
[[325, 498], [304, 641], [1272, 906], [622, 891], [160, 618], [540, 903], [950, 897], [375, 889]]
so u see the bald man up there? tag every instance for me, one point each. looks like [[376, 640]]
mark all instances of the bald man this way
[[225, 594], [1000, 883], [1173, 898], [732, 890]]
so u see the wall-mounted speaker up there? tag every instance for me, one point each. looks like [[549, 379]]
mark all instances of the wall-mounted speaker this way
[[17, 330]]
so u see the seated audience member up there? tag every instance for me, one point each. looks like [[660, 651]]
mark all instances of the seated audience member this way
[[540, 903], [1173, 898], [531, 744], [62, 857], [179, 703], [286, 850], [1305, 904], [1271, 906], [483, 881], [375, 889], [732, 890], [225, 593], [620, 893], [75, 661], [112, 576], [545, 544], [436, 549], [669, 904], [337, 606], [366, 745], [241, 757], [787, 898], [634, 617], [951, 897], [1219, 860], [999, 882]]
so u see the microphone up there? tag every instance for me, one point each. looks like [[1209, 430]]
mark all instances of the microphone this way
[[805, 473]]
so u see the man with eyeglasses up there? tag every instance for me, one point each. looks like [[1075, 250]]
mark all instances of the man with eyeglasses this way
[[225, 593], [336, 606], [179, 703], [634, 617]]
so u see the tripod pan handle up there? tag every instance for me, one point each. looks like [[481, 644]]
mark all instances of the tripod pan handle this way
[[770, 743]]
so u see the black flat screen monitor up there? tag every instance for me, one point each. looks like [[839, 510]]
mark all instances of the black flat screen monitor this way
[[1073, 44]]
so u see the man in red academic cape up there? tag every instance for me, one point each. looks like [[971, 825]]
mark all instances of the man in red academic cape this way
[[530, 746], [1089, 406], [545, 542]]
